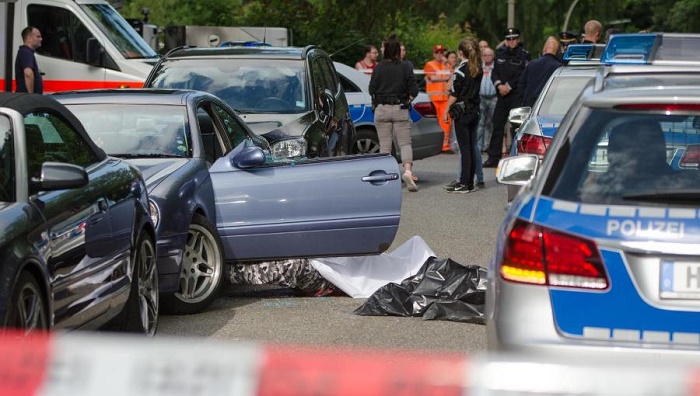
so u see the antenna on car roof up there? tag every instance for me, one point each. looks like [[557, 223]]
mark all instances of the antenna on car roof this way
[[346, 47], [264, 34]]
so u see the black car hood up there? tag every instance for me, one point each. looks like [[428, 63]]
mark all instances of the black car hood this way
[[155, 170]]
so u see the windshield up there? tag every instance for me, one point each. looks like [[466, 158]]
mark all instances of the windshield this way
[[561, 95], [118, 31], [247, 85], [631, 157], [136, 130]]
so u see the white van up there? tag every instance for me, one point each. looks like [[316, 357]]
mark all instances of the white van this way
[[86, 44]]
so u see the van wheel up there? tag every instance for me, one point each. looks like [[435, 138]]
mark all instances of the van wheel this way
[[140, 314], [27, 309], [202, 269]]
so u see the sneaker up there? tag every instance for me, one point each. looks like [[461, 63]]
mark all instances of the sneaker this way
[[452, 184], [460, 188], [480, 184]]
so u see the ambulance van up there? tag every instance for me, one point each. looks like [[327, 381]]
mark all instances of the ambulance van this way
[[86, 44]]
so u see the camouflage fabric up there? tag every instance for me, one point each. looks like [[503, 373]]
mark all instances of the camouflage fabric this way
[[293, 273]]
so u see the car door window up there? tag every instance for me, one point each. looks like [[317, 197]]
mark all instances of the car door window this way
[[7, 161], [50, 138], [236, 132], [214, 146], [64, 36]]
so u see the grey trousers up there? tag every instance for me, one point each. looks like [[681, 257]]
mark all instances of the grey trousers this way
[[392, 118]]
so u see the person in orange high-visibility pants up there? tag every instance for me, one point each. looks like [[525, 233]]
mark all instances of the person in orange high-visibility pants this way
[[437, 76]]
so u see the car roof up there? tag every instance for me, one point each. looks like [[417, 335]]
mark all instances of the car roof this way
[[131, 96], [242, 52], [652, 74], [352, 74], [586, 70]]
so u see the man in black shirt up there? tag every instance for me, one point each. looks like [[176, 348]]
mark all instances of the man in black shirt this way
[[27, 75], [537, 72]]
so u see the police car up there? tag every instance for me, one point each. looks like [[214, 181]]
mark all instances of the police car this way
[[537, 125], [599, 253]]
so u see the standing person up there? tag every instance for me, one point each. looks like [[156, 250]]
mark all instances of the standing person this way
[[483, 44], [565, 39], [27, 75], [465, 94], [403, 56], [489, 96], [592, 32], [510, 63], [451, 57], [437, 76], [368, 63], [538, 71], [392, 87]]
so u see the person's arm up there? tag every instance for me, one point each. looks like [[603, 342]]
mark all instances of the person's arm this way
[[29, 79], [411, 82], [452, 97]]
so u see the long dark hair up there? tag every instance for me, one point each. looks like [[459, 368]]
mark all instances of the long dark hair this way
[[392, 48]]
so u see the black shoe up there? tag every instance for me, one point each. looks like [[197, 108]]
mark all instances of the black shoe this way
[[461, 188], [490, 163], [480, 184], [452, 184]]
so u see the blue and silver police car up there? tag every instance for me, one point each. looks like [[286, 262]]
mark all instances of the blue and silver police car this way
[[600, 252]]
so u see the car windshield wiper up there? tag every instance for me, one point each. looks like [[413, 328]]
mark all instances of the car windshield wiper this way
[[146, 155], [678, 195]]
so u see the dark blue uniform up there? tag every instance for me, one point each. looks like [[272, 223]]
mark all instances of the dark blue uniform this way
[[508, 67], [26, 58], [466, 89], [535, 77]]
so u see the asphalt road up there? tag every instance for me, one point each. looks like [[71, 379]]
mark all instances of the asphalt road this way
[[459, 226]]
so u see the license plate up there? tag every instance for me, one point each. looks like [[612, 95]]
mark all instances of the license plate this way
[[680, 280]]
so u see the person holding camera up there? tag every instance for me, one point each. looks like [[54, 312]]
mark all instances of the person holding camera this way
[[392, 87], [463, 108]]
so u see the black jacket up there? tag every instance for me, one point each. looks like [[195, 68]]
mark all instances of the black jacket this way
[[466, 88], [535, 76], [508, 66], [392, 81]]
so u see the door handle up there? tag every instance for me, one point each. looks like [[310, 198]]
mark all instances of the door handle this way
[[380, 178]]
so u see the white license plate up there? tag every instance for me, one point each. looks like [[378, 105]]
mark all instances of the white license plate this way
[[680, 280]]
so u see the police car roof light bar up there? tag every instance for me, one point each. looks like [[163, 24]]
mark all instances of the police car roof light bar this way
[[635, 48]]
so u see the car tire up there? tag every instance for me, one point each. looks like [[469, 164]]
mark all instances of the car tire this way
[[140, 313], [367, 142], [202, 270], [28, 309]]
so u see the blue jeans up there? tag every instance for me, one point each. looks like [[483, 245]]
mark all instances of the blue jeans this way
[[485, 128]]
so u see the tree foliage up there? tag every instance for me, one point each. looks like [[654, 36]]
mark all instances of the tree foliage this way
[[344, 27]]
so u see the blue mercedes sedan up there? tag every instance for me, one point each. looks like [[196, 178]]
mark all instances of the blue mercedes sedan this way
[[218, 193], [77, 244]]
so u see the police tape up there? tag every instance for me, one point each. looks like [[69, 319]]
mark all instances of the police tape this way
[[104, 364]]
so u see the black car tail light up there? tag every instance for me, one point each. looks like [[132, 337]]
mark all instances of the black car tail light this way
[[691, 156], [425, 109], [532, 144], [541, 256]]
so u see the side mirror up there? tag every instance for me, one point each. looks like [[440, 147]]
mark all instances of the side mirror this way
[[93, 52], [248, 157], [518, 170], [61, 176], [518, 115]]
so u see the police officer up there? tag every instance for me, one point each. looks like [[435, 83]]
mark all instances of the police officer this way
[[565, 39], [393, 86], [510, 63]]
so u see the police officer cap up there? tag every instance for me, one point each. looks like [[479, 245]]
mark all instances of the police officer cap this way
[[512, 32], [567, 37]]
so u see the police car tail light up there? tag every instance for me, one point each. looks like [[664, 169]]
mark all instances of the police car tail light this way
[[426, 109], [531, 144], [538, 255], [691, 156]]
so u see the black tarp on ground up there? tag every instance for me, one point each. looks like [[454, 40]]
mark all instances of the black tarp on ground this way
[[442, 289]]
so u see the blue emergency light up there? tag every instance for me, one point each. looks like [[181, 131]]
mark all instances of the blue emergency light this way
[[631, 49], [579, 52]]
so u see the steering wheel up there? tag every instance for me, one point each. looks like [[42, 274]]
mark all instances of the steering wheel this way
[[272, 102]]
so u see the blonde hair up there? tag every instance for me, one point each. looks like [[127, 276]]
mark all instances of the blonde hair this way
[[469, 48]]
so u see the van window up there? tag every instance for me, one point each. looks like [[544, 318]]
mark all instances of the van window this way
[[64, 35]]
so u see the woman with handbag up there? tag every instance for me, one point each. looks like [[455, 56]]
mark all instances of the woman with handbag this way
[[463, 108]]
